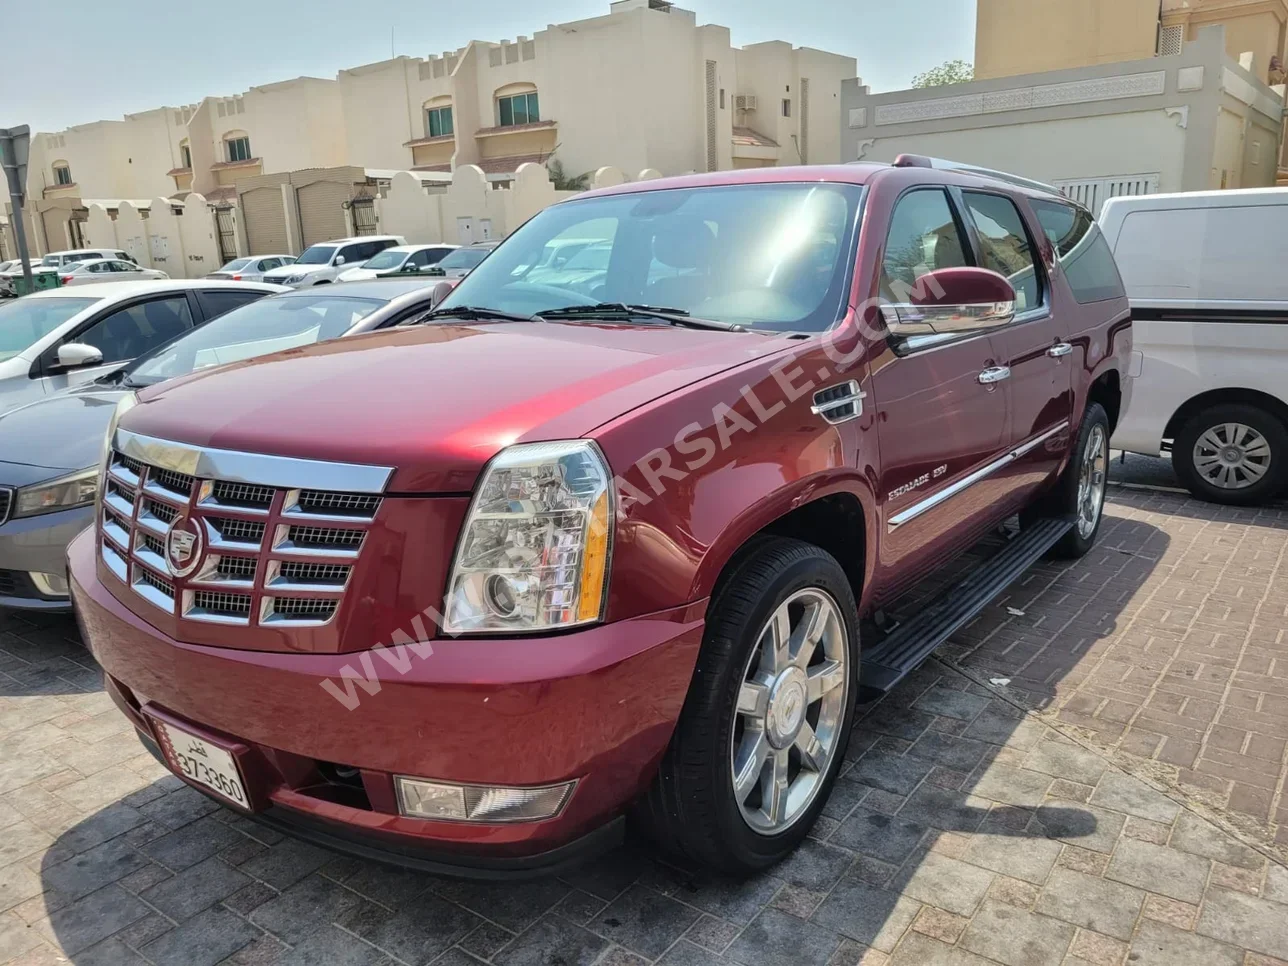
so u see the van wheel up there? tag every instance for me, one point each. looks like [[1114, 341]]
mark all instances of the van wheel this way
[[1234, 454], [1080, 494], [767, 719]]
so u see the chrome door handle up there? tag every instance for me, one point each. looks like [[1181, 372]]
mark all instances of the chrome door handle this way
[[995, 375], [1060, 350]]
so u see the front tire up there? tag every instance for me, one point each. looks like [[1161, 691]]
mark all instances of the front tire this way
[[768, 715], [1232, 454]]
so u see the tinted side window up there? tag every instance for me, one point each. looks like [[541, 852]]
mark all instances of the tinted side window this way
[[355, 254], [124, 256], [924, 237], [434, 255], [1004, 245], [133, 331], [217, 303], [1082, 250]]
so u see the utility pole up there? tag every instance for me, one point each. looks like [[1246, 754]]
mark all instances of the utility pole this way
[[15, 143]]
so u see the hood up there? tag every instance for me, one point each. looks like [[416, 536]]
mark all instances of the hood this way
[[63, 432], [287, 271], [436, 402], [358, 275]]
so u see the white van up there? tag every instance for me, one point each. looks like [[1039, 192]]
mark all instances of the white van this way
[[1208, 282]]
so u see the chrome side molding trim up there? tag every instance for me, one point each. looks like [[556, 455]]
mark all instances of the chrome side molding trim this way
[[966, 482], [283, 472]]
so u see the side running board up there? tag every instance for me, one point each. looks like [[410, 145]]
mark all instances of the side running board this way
[[904, 648]]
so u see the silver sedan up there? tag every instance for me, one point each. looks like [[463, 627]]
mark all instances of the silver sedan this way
[[252, 269]]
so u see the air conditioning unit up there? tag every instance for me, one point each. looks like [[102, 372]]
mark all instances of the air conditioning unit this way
[[744, 102]]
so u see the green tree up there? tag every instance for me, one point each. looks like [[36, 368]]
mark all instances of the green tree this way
[[562, 181], [952, 72]]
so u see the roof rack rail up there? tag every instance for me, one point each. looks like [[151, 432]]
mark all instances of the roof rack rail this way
[[939, 164]]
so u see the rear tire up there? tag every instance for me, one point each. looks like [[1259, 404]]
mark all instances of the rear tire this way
[[764, 728], [1080, 494], [1234, 454]]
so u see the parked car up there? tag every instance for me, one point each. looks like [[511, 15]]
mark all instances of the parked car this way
[[13, 269], [52, 447], [56, 339], [252, 269], [108, 270], [505, 579], [462, 261], [1210, 307], [57, 261], [323, 263], [398, 260]]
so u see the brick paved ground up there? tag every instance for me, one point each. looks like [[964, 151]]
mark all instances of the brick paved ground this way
[[966, 830]]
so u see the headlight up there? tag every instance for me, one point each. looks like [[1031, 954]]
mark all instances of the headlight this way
[[76, 489], [535, 548], [123, 406], [292, 279]]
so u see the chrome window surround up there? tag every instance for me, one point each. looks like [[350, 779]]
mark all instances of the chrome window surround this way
[[141, 496], [966, 482]]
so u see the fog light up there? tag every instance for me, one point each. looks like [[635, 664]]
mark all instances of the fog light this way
[[49, 585], [479, 803]]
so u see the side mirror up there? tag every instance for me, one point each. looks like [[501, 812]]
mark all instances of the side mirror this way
[[442, 290], [952, 301], [74, 355], [410, 268]]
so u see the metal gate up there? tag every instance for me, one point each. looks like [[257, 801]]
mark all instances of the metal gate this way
[[77, 227], [364, 215], [321, 207], [265, 220], [226, 233]]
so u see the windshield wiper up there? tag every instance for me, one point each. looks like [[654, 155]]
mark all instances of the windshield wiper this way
[[475, 312], [608, 309]]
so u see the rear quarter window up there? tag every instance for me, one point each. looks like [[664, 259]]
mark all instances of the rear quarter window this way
[[1082, 251]]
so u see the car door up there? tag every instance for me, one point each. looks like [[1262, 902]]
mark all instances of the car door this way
[[121, 334], [123, 271], [939, 426], [1034, 347]]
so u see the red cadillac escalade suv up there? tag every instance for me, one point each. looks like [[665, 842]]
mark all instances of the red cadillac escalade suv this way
[[606, 535]]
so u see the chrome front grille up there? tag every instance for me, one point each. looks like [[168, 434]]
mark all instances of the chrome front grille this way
[[266, 553], [6, 504]]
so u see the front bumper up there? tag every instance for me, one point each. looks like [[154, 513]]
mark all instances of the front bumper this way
[[38, 544], [597, 706]]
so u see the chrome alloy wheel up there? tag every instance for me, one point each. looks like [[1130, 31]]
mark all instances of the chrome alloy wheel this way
[[1091, 483], [787, 726], [1232, 456]]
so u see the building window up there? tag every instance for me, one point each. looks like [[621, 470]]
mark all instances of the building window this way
[[787, 107], [238, 148], [62, 174], [185, 155], [438, 122], [722, 98], [518, 109]]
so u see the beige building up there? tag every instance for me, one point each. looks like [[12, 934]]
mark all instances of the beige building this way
[[644, 86], [1030, 36], [1191, 121]]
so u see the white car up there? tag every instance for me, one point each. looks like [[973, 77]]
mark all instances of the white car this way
[[400, 259], [324, 262], [56, 338], [59, 260], [1204, 272], [251, 268], [108, 270], [13, 269]]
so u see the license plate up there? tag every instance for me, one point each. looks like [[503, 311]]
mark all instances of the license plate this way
[[204, 763]]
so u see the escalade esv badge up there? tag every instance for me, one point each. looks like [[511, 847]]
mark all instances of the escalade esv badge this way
[[183, 546]]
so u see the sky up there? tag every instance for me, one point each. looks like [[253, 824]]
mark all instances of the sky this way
[[111, 59]]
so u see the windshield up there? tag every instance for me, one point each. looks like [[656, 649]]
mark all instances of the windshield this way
[[317, 255], [386, 259], [237, 264], [770, 256], [268, 325], [465, 258], [25, 322]]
